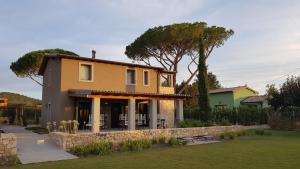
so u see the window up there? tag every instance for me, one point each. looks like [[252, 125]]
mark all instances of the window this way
[[166, 80], [85, 72], [146, 78], [131, 77]]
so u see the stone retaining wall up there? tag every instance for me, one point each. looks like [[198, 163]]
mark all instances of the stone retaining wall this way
[[67, 141], [8, 147]]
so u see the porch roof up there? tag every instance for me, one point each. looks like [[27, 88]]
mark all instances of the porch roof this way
[[104, 93]]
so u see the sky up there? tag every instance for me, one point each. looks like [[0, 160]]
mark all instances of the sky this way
[[264, 49]]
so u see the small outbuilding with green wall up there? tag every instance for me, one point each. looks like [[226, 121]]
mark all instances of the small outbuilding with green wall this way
[[228, 98]]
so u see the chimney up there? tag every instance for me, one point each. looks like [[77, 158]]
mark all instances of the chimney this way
[[93, 54]]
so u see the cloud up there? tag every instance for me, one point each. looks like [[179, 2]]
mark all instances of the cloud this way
[[265, 46]]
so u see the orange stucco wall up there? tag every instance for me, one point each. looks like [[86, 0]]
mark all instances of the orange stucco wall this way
[[63, 74]]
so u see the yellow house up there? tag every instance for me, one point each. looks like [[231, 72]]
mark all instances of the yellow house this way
[[103, 94], [3, 102]]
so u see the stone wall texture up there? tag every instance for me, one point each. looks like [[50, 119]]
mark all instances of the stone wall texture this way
[[8, 147], [67, 141]]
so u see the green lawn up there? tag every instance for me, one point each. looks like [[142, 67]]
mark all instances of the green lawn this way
[[281, 150]]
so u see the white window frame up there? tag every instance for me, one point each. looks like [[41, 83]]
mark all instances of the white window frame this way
[[171, 79], [92, 71], [134, 75], [144, 78]]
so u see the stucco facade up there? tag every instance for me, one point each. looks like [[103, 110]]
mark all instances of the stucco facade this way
[[61, 74], [230, 97]]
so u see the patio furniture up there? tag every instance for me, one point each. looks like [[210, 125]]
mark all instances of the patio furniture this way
[[123, 118], [144, 119], [163, 122], [103, 121], [88, 126], [139, 119]]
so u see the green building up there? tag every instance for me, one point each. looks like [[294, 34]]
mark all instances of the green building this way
[[228, 98]]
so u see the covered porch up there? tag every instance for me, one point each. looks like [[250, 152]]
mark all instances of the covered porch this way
[[108, 111]]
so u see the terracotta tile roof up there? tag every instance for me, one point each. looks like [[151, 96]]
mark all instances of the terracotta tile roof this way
[[231, 89], [56, 56], [255, 99], [88, 93]]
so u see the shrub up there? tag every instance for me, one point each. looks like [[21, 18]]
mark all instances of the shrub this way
[[95, 148], [241, 133], [80, 150], [225, 122], [173, 141], [222, 137], [101, 147], [229, 135], [154, 140], [241, 115], [162, 140], [136, 145]]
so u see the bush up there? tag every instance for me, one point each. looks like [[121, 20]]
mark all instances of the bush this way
[[241, 133], [154, 140], [95, 148], [222, 137], [175, 142], [228, 135], [162, 140], [101, 147], [81, 150], [232, 135], [225, 122], [136, 145], [241, 115]]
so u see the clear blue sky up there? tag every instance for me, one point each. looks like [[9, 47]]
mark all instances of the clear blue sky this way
[[264, 49]]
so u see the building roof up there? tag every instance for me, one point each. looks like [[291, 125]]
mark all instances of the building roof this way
[[91, 93], [255, 99], [58, 56], [230, 89]]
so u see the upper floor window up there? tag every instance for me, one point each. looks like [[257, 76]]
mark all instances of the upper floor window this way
[[85, 72], [166, 80], [131, 76], [146, 78]]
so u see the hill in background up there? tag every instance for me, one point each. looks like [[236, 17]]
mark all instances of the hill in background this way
[[14, 98]]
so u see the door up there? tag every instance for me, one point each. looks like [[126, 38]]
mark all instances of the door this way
[[84, 113], [116, 110]]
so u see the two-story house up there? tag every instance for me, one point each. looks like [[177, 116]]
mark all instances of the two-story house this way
[[108, 94]]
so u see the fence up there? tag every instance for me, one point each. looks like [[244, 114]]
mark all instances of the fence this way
[[20, 115]]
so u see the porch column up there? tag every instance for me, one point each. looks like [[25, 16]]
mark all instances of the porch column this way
[[131, 114], [153, 113], [95, 115], [179, 110]]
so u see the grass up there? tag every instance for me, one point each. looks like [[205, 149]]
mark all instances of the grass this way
[[277, 151], [38, 130]]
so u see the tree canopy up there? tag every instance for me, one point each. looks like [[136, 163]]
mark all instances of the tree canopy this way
[[168, 45], [28, 65], [288, 95], [193, 90], [204, 106]]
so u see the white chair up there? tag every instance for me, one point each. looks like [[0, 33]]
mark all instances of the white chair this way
[[126, 119], [144, 119], [164, 121], [139, 119]]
